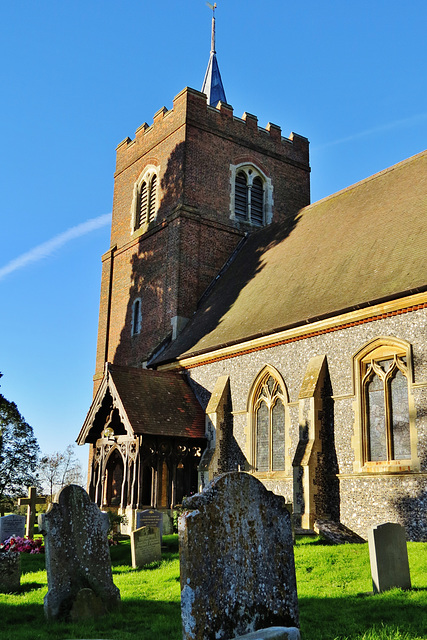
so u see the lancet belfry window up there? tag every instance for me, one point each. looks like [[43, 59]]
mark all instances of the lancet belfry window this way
[[268, 416], [386, 409], [145, 199], [249, 197]]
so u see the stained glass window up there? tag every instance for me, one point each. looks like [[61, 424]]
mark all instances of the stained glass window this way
[[269, 414]]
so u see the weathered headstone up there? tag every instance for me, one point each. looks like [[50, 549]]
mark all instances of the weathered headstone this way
[[10, 571], [145, 546], [31, 503], [78, 561], [11, 525], [388, 556], [150, 518], [237, 560]]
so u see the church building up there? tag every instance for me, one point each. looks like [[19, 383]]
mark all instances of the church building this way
[[243, 328]]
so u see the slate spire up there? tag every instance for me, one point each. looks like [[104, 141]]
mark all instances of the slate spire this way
[[212, 84]]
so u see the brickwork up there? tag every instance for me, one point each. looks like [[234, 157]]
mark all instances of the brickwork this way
[[170, 264], [396, 497]]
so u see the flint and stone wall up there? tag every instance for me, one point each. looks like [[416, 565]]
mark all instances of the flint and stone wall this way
[[365, 499]]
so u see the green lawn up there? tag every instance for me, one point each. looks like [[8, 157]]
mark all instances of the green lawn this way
[[334, 589]]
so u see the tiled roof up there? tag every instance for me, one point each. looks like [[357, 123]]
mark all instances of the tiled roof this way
[[158, 403], [150, 402], [361, 245]]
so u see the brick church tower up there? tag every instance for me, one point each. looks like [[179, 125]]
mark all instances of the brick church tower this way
[[188, 190]]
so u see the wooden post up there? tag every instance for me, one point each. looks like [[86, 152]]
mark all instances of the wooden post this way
[[31, 503]]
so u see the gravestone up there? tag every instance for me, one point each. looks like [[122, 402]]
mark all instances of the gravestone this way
[[10, 571], [388, 556], [31, 503], [150, 518], [145, 546], [11, 525], [78, 565], [237, 560]]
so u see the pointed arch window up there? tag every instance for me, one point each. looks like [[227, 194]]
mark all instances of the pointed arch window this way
[[136, 317], [145, 199], [387, 430], [268, 424], [251, 195], [386, 409]]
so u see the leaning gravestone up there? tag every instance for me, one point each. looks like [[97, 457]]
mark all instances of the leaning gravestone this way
[[237, 561], [388, 556], [145, 546], [10, 571], [78, 565], [11, 525]]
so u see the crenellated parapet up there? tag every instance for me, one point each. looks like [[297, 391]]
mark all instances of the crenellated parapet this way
[[190, 109]]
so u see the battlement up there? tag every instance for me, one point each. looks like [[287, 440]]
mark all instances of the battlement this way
[[190, 109]]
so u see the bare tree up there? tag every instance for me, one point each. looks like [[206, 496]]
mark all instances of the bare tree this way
[[59, 469]]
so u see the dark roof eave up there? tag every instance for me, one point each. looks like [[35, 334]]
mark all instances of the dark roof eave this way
[[294, 325]]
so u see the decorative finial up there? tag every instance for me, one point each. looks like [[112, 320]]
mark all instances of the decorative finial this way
[[213, 7]]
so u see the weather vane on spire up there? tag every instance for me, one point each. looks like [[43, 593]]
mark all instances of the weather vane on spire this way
[[212, 84], [213, 7]]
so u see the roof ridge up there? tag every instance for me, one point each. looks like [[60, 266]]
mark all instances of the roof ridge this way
[[365, 180]]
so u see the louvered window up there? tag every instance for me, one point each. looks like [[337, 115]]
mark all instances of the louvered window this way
[[152, 203], [249, 199], [241, 196], [257, 201], [143, 199], [146, 200]]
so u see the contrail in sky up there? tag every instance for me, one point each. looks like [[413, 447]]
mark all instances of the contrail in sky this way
[[384, 127], [47, 248]]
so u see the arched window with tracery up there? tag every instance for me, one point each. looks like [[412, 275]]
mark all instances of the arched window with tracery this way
[[387, 433], [251, 195], [268, 402]]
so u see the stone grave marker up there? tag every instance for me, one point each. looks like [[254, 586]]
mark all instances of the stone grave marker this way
[[11, 525], [150, 518], [237, 560], [78, 565], [10, 571], [388, 556], [145, 546], [31, 503]]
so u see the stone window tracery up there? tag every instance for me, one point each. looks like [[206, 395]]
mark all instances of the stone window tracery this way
[[385, 406], [268, 402], [251, 195]]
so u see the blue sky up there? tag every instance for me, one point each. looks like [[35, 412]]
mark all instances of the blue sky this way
[[78, 77]]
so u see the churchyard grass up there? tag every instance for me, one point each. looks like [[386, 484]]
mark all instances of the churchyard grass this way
[[334, 588]]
